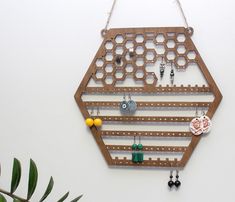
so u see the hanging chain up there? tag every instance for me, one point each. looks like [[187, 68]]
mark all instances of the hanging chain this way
[[190, 29], [104, 31]]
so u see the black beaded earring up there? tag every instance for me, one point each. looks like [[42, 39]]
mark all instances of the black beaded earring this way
[[172, 74], [177, 182], [162, 68], [170, 182]]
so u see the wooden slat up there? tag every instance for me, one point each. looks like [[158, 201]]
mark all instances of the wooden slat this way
[[149, 104], [148, 148], [147, 163], [168, 89], [146, 133], [145, 118]]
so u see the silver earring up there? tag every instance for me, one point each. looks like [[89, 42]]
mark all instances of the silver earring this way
[[124, 106], [131, 52], [132, 105]]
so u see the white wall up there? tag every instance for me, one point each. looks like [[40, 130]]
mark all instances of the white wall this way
[[46, 47]]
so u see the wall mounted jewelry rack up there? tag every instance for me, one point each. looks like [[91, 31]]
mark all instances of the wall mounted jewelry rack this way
[[127, 53]]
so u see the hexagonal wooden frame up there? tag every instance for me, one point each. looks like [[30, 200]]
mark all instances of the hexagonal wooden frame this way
[[108, 51]]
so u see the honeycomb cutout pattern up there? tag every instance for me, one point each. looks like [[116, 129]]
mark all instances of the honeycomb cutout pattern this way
[[147, 48], [127, 53]]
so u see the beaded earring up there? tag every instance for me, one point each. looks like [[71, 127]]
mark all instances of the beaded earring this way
[[177, 182], [98, 121], [172, 74], [140, 152], [171, 182], [89, 121], [134, 154], [162, 68]]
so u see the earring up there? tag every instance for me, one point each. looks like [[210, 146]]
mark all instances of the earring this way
[[172, 74], [140, 153], [118, 60], [89, 121], [132, 106], [134, 154], [131, 52], [162, 68], [98, 121], [177, 182], [171, 182], [196, 125], [206, 123], [124, 106]]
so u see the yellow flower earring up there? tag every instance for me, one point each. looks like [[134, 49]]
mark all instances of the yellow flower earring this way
[[89, 121], [98, 121]]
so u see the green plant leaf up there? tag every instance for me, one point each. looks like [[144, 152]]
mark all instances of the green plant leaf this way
[[33, 179], [2, 198], [16, 175], [48, 190], [76, 199], [63, 197], [16, 200]]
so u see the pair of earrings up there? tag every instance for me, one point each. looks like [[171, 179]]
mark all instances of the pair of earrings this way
[[96, 121], [162, 70], [200, 125], [128, 107], [137, 155], [175, 183]]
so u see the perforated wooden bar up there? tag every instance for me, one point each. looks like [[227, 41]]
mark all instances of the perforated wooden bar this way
[[149, 104], [146, 133], [147, 148]]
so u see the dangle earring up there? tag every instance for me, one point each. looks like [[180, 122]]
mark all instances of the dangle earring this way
[[118, 60], [131, 52], [172, 74], [162, 68], [124, 106], [196, 125], [177, 182], [206, 123], [89, 121], [98, 121], [171, 182], [134, 154], [132, 106], [140, 152]]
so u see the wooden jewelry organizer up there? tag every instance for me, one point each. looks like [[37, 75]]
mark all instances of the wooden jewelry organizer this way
[[105, 78]]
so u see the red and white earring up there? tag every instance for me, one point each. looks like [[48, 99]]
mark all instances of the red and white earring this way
[[200, 125], [206, 123], [196, 125]]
